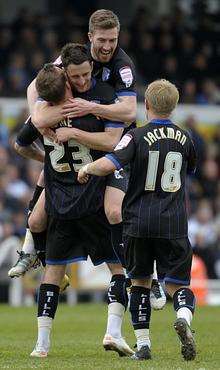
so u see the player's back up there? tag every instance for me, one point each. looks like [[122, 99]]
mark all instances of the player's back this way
[[155, 200], [65, 197]]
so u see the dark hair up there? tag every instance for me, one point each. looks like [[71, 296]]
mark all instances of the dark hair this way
[[74, 54], [103, 19], [51, 83]]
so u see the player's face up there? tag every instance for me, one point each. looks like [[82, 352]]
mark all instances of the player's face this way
[[79, 76], [103, 44]]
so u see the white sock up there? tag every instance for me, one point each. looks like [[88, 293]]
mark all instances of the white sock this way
[[115, 317], [185, 313], [44, 329], [154, 276], [143, 339], [28, 245]]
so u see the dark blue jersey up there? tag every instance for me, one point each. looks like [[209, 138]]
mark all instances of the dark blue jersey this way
[[160, 155]]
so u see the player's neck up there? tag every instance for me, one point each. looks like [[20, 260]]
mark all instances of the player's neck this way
[[152, 116]]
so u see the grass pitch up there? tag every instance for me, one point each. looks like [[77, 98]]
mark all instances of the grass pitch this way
[[77, 340]]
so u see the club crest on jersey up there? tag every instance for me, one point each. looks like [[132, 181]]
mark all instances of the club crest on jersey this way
[[105, 74], [124, 142], [126, 75]]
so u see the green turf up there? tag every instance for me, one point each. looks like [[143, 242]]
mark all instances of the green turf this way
[[77, 340]]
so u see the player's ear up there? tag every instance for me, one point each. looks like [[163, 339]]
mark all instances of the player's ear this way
[[146, 104], [68, 85], [90, 36]]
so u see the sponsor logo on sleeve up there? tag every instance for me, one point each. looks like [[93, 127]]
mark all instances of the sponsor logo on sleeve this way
[[126, 75], [124, 142]]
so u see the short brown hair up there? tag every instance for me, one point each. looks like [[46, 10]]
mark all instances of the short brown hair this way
[[162, 97], [51, 83], [74, 54], [103, 19]]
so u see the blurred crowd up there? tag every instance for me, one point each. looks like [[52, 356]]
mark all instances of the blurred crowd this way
[[183, 49]]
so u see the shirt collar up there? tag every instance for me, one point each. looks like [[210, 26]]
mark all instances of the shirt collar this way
[[161, 121]]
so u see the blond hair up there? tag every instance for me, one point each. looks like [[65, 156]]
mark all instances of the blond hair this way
[[162, 97], [103, 19]]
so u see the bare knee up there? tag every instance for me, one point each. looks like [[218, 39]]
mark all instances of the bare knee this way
[[115, 268], [113, 214], [36, 224], [54, 274], [172, 288], [145, 283]]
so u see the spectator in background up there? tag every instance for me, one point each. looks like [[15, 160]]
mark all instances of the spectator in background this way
[[210, 93], [203, 236], [17, 75], [146, 52], [189, 92], [210, 177], [4, 133]]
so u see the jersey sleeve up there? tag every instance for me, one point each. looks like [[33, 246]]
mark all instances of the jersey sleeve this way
[[125, 78], [28, 134], [191, 167], [124, 151]]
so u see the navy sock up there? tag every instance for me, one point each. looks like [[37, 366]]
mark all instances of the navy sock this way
[[48, 300], [184, 297], [140, 307]]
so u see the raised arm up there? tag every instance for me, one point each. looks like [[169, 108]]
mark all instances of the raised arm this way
[[104, 141], [124, 110], [45, 115], [32, 151]]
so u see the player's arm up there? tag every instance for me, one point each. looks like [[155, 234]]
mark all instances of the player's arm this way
[[45, 115], [124, 110], [192, 157], [30, 152], [25, 145], [123, 154], [105, 141]]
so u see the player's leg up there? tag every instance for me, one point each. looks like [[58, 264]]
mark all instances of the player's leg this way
[[97, 232], [114, 195], [139, 263], [28, 255], [38, 226], [113, 206], [177, 281], [47, 306], [117, 305], [63, 244]]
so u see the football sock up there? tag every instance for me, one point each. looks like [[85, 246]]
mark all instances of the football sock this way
[[140, 307], [44, 329], [28, 245], [154, 276], [40, 244], [115, 317], [48, 300], [140, 310], [185, 313], [37, 192], [184, 303], [142, 338], [117, 290]]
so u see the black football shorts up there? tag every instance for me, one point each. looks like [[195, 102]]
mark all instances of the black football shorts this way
[[173, 258], [74, 240]]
